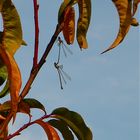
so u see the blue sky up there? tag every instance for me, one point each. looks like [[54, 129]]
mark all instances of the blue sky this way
[[104, 88]]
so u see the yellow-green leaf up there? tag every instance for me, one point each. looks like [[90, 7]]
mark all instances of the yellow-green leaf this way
[[83, 22], [12, 38], [124, 10]]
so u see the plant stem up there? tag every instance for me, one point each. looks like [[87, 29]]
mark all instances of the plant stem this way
[[36, 69], [36, 7], [25, 126]]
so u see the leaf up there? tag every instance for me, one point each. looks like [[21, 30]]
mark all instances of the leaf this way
[[24, 108], [14, 77], [74, 121], [12, 38], [11, 41], [5, 90], [3, 74], [69, 25], [63, 128], [33, 103], [65, 4], [124, 10], [5, 107], [134, 22], [83, 22], [50, 131]]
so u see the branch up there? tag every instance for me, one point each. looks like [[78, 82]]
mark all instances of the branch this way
[[34, 73], [36, 7], [36, 69], [25, 126]]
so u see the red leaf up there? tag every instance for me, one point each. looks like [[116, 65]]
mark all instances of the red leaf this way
[[50, 131]]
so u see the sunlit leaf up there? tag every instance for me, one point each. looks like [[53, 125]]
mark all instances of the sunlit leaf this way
[[69, 25], [12, 38], [83, 22], [14, 77], [33, 103], [50, 131], [134, 22], [74, 121], [63, 128], [124, 10]]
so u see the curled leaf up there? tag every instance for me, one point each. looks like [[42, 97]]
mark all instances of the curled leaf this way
[[50, 131], [83, 22], [124, 10], [74, 121], [14, 77], [69, 25]]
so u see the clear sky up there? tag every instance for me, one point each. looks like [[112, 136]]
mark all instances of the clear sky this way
[[104, 88]]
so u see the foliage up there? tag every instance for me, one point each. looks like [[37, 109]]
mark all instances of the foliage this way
[[69, 123]]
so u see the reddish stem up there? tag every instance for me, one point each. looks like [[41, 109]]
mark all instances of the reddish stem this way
[[26, 126], [36, 7]]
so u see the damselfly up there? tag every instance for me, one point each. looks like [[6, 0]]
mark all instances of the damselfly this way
[[65, 48], [61, 73]]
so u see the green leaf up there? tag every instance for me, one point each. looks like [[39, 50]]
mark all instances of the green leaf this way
[[5, 90], [63, 128], [33, 103], [3, 74], [74, 121]]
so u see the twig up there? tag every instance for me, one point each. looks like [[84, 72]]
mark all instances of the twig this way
[[36, 7], [26, 126]]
